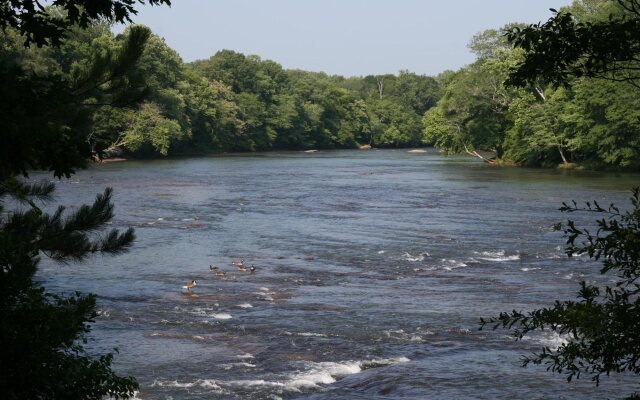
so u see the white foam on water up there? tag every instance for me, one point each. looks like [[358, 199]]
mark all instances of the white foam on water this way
[[264, 289], [307, 334], [313, 379], [245, 356], [450, 264], [316, 374], [203, 383], [411, 258], [172, 384], [381, 252], [210, 313], [529, 269], [400, 334], [210, 384], [424, 269], [256, 382], [320, 373], [550, 339], [245, 305], [496, 256], [238, 364], [311, 334]]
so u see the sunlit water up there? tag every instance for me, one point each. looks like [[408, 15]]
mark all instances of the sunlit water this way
[[373, 269]]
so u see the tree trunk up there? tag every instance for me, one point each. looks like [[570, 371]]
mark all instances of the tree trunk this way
[[380, 86], [564, 159], [476, 154]]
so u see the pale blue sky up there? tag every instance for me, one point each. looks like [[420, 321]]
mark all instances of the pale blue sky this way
[[347, 37]]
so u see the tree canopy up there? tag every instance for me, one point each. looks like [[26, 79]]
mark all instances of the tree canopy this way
[[49, 24]]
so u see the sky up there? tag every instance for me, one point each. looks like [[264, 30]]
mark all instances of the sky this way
[[345, 37]]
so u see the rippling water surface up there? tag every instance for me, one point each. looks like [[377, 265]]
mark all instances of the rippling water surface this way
[[373, 269]]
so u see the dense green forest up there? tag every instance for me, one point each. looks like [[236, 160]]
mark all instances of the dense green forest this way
[[589, 121], [237, 102], [234, 102]]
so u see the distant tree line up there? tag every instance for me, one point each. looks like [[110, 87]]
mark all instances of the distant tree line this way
[[233, 102]]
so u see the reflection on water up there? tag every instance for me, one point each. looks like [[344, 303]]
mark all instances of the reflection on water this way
[[372, 270]]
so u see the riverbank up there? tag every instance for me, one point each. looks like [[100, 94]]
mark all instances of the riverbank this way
[[136, 157], [586, 167]]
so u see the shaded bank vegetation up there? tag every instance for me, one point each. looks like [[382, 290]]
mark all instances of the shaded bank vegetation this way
[[543, 122]]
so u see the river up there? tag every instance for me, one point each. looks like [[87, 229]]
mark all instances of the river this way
[[372, 271]]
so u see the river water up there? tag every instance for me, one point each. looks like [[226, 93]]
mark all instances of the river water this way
[[372, 271]]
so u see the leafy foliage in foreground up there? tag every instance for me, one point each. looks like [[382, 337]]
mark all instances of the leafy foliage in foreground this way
[[602, 325], [42, 334], [50, 25], [564, 48], [46, 105], [48, 98]]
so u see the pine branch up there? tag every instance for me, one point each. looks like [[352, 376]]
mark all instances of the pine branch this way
[[68, 240], [111, 67], [26, 192], [115, 243], [89, 218]]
